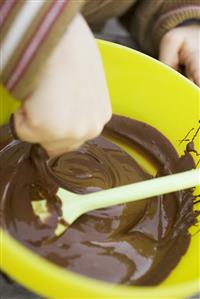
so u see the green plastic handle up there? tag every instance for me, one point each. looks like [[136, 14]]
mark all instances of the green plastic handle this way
[[75, 205]]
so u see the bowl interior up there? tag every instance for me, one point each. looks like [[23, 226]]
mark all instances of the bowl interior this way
[[144, 89]]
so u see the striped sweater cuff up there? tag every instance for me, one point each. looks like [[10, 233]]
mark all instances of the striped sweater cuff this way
[[30, 30], [171, 19]]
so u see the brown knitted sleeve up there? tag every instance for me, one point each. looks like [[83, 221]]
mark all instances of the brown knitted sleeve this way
[[151, 19]]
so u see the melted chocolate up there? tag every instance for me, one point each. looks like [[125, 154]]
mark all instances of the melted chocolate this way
[[136, 243]]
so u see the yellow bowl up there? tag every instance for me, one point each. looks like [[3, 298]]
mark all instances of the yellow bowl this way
[[141, 88]]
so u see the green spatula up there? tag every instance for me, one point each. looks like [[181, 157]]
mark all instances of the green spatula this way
[[75, 205]]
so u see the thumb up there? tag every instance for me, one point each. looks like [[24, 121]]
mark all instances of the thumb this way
[[169, 49]]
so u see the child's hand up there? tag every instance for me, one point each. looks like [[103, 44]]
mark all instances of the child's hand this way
[[70, 103], [181, 47]]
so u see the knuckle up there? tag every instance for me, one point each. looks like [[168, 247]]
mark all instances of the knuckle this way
[[79, 133], [35, 123], [108, 115], [75, 146], [32, 121], [170, 36], [87, 131], [96, 130]]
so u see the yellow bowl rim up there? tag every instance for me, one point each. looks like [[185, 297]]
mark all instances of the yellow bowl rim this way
[[46, 268]]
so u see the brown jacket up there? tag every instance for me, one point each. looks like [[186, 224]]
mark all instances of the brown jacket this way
[[147, 20]]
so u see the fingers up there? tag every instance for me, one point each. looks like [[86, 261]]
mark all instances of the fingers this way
[[169, 49], [73, 140], [54, 149], [181, 47], [193, 72], [54, 143], [28, 133], [190, 57], [190, 54]]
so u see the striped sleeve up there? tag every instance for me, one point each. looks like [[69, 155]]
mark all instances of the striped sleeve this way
[[29, 32]]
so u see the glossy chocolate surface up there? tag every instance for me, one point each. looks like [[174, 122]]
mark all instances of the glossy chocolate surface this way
[[136, 243]]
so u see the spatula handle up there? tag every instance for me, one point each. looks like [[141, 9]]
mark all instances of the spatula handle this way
[[132, 192]]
